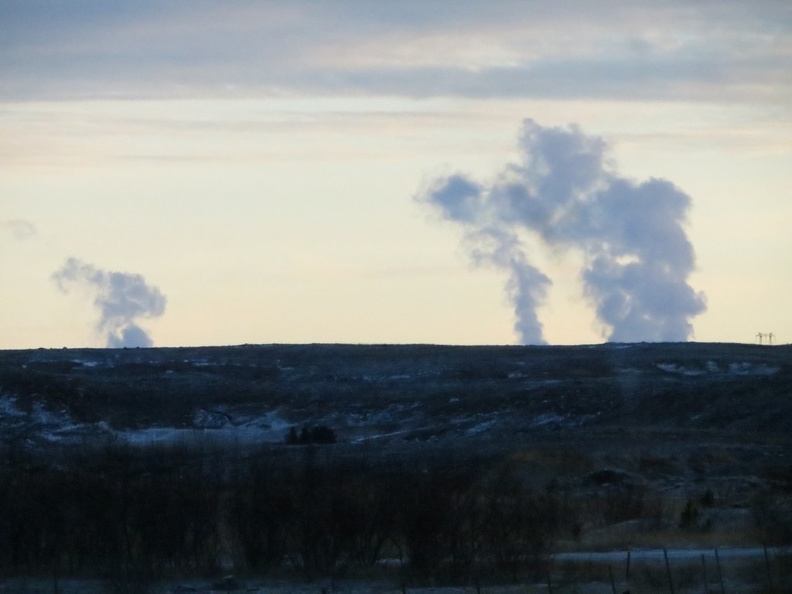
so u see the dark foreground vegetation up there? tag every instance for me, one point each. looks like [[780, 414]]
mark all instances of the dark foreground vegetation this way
[[425, 465], [177, 511], [133, 517]]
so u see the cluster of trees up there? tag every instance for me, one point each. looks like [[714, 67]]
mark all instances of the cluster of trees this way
[[107, 516], [121, 510], [138, 511], [327, 519]]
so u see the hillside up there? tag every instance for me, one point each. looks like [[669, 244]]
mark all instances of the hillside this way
[[510, 451], [403, 393]]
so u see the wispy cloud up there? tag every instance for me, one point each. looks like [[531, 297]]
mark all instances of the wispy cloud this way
[[18, 229], [677, 50]]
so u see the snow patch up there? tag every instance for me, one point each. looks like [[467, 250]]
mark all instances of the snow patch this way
[[157, 435], [680, 369], [481, 427], [176, 435], [710, 367], [556, 420], [8, 407], [751, 369], [210, 419], [548, 419]]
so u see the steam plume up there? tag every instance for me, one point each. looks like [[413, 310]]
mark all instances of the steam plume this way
[[563, 191], [121, 299]]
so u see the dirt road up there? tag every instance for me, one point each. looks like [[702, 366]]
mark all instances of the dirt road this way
[[673, 554]]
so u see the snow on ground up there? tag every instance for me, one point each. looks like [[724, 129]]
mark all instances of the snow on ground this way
[[551, 419], [51, 426], [680, 369], [711, 367], [216, 425], [481, 427], [752, 369], [219, 425], [8, 407]]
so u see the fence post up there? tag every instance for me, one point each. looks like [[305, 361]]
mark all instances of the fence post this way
[[767, 565], [613, 583], [627, 573], [720, 573], [668, 571]]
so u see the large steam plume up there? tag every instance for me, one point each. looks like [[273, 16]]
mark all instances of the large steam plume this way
[[120, 298], [565, 192]]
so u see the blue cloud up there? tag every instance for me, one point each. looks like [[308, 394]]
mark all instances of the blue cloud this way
[[88, 48]]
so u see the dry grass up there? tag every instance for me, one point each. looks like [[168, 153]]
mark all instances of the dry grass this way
[[687, 576], [613, 539]]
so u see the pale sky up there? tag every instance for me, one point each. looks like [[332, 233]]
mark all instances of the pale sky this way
[[212, 173]]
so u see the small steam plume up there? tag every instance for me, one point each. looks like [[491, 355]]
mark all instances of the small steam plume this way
[[564, 191], [121, 299]]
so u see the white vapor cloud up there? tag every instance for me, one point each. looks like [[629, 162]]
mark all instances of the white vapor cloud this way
[[565, 193], [120, 298]]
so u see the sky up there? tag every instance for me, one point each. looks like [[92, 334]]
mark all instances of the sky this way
[[435, 171]]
